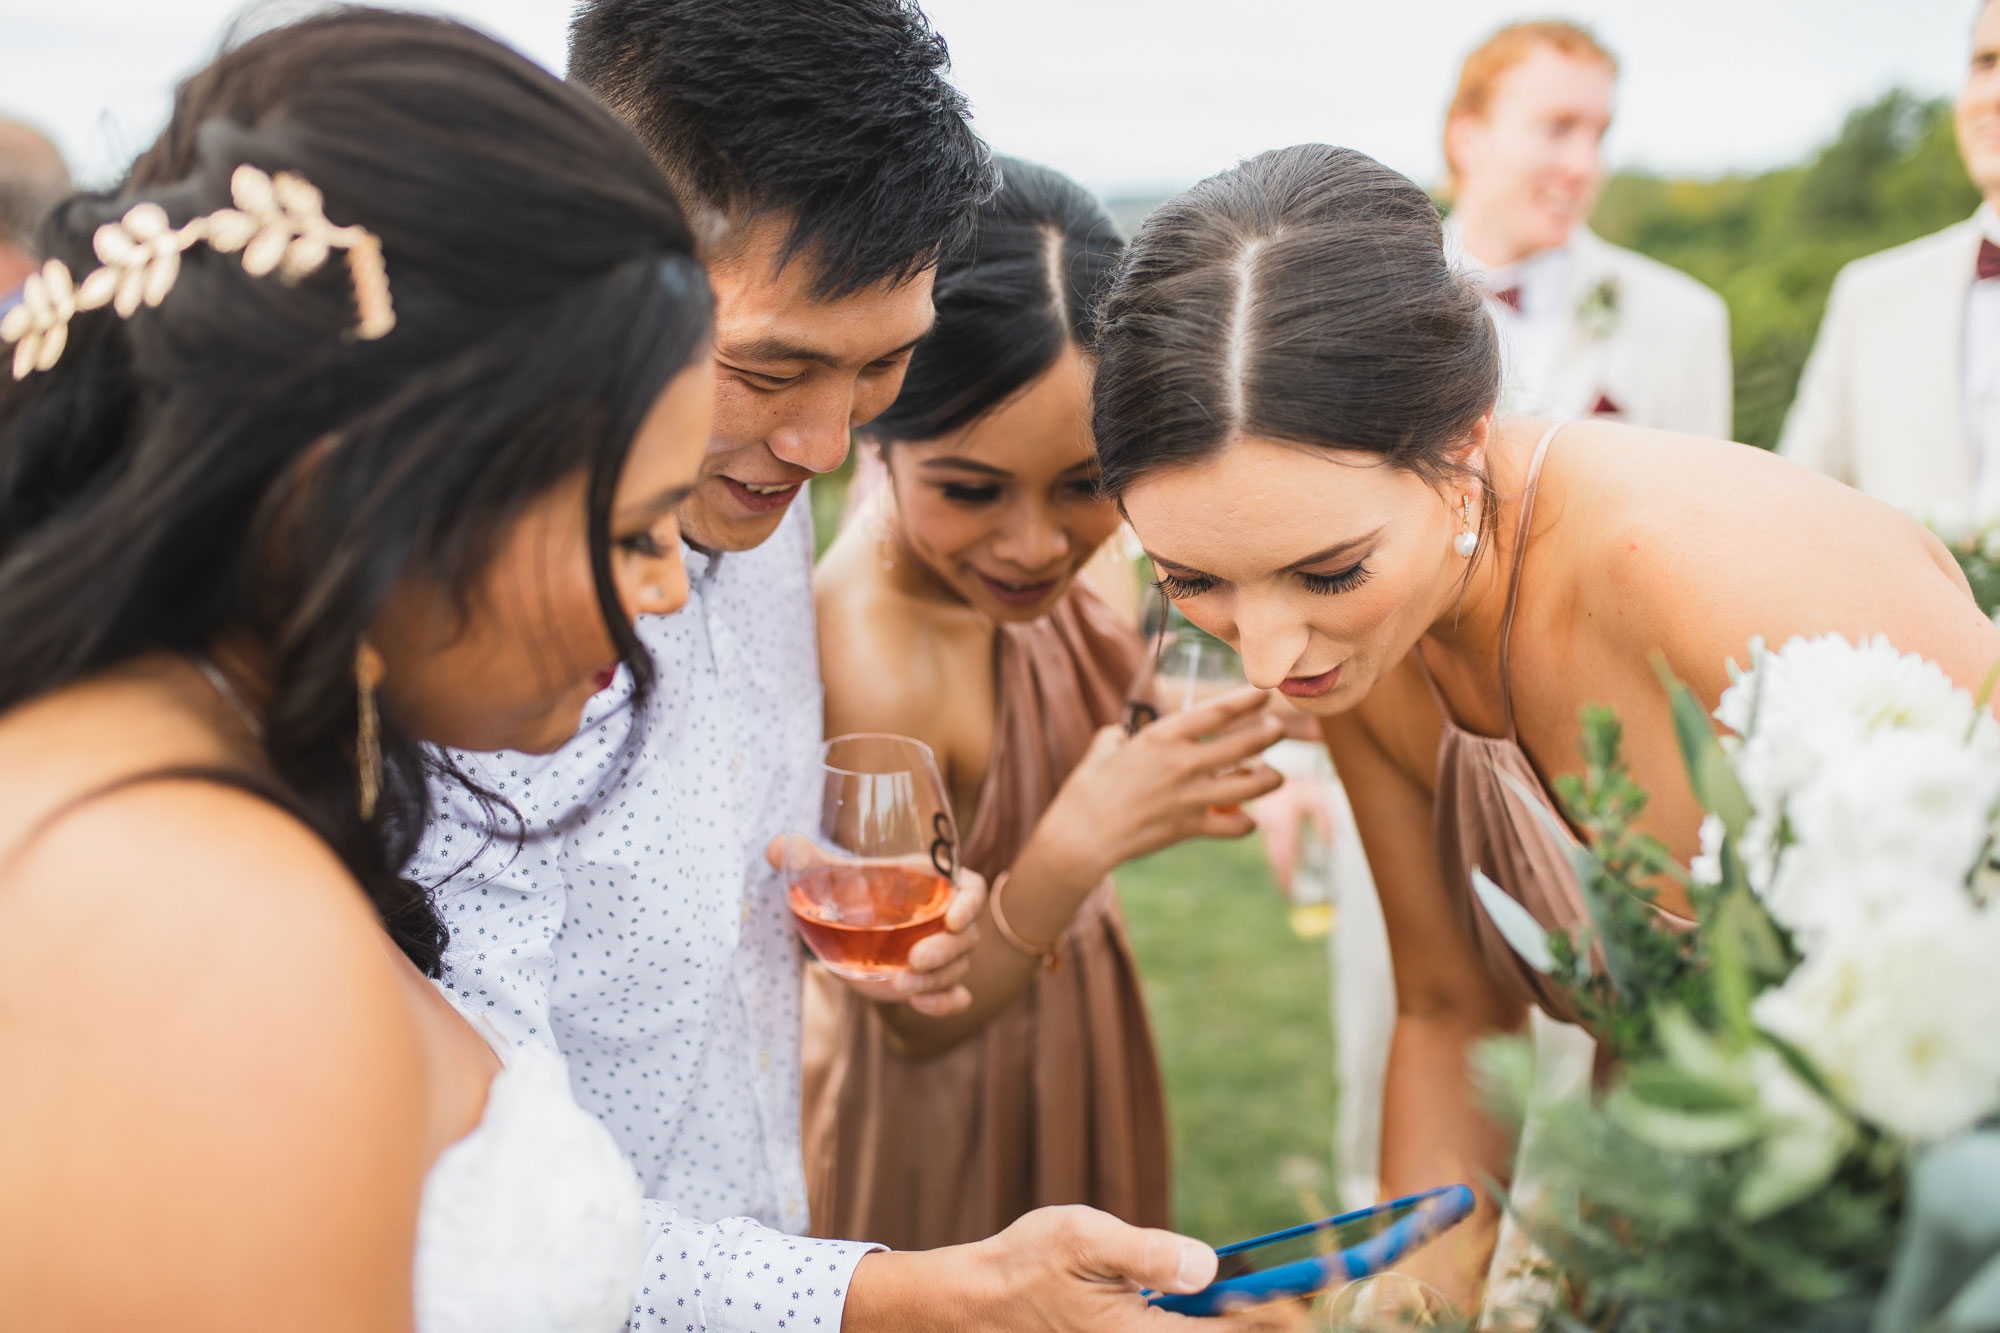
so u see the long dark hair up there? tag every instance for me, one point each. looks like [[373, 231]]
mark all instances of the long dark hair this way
[[234, 461], [1302, 296], [1009, 300]]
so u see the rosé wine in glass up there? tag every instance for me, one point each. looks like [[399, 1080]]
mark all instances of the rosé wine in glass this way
[[877, 874]]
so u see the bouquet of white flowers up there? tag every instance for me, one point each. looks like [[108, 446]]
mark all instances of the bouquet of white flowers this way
[[1801, 1130]]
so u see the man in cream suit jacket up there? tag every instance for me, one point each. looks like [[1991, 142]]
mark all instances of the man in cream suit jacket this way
[[1586, 327], [1901, 397]]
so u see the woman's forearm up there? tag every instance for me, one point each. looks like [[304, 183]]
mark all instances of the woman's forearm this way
[[1435, 1133]]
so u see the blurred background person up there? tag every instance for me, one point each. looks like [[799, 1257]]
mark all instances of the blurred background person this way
[[1587, 328], [32, 179], [1901, 396], [952, 610]]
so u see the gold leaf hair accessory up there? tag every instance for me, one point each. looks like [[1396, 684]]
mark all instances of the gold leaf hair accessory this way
[[279, 223]]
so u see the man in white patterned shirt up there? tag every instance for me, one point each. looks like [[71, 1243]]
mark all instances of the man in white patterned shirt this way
[[636, 930]]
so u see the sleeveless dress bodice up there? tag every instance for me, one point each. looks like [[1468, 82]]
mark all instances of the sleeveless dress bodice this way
[[531, 1223], [1058, 1099], [1480, 820]]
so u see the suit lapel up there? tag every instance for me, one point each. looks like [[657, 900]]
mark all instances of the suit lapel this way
[[1579, 379], [1928, 391]]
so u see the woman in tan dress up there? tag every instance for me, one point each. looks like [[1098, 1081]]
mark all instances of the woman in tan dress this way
[[951, 610], [1295, 405]]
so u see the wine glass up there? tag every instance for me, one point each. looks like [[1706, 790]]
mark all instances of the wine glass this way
[[877, 874], [1384, 1302], [1191, 668]]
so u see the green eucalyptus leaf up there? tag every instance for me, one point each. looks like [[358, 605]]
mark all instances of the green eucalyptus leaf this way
[[1795, 1163], [1700, 1054], [1714, 781], [1587, 870], [1951, 1231], [1676, 1087], [1976, 1307], [1692, 1133], [1517, 925]]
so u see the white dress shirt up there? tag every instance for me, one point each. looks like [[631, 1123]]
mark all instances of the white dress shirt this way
[[639, 934], [1979, 377], [1532, 334], [1601, 331]]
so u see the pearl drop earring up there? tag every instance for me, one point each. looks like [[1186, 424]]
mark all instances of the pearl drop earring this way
[[1467, 541]]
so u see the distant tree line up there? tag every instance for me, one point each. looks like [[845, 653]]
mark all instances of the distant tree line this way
[[1772, 243]]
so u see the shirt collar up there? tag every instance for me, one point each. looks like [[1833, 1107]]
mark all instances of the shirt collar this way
[[1988, 220], [701, 565], [1540, 276]]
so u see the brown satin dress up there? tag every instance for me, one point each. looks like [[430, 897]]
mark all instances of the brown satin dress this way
[[1481, 822], [1059, 1099]]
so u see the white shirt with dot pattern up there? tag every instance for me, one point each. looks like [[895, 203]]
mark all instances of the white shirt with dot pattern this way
[[639, 934]]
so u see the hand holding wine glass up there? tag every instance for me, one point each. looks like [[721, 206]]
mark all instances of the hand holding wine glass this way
[[877, 891], [1191, 667]]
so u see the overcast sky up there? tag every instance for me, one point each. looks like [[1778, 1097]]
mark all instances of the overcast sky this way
[[1133, 96]]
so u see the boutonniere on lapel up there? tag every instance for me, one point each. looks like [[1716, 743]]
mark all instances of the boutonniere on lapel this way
[[1597, 313]]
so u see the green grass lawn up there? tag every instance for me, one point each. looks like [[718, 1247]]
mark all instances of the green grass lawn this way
[[1240, 1012]]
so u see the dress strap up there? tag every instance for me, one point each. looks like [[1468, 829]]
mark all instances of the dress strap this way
[[1514, 578]]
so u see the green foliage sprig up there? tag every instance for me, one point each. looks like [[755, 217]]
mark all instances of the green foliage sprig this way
[[1713, 1187]]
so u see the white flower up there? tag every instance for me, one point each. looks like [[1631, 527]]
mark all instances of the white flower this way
[[1706, 867], [1811, 683], [1811, 710], [1902, 1017], [1898, 815]]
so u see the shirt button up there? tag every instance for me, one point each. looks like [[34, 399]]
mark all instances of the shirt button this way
[[763, 1061], [736, 762]]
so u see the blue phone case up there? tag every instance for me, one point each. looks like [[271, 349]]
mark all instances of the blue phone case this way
[[1436, 1210]]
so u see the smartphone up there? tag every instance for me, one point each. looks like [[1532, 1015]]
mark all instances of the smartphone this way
[[1307, 1260]]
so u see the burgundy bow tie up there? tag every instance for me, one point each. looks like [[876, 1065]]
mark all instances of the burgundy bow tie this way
[[1511, 296], [1989, 260]]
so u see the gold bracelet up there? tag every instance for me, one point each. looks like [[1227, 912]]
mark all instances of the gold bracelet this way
[[1051, 956]]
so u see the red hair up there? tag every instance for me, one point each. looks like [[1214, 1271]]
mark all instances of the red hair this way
[[1509, 47]]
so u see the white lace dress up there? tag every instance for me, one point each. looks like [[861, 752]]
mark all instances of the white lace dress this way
[[531, 1223]]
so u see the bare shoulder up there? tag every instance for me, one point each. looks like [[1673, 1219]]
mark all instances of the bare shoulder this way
[[1693, 547], [888, 661], [229, 1093]]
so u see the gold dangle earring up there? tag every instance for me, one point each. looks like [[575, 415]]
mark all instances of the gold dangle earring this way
[[1467, 540], [368, 670]]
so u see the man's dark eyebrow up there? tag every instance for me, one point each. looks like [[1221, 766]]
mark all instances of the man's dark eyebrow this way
[[956, 463], [783, 349]]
